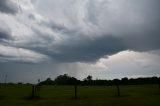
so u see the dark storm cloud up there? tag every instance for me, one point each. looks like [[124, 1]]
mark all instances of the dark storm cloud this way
[[89, 49], [83, 49], [145, 36], [128, 33], [136, 22], [5, 36], [5, 32], [52, 37], [134, 25], [143, 43], [8, 6], [43, 37]]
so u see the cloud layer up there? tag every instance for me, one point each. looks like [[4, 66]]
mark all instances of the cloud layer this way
[[18, 54], [80, 30], [8, 6], [5, 32]]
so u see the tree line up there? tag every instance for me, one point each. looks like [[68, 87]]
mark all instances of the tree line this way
[[68, 80]]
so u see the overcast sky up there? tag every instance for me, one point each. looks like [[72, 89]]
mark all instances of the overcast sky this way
[[104, 38]]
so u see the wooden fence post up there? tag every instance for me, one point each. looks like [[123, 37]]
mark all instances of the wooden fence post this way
[[75, 91], [33, 91], [118, 90]]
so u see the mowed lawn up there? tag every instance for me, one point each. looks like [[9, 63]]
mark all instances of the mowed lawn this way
[[131, 95]]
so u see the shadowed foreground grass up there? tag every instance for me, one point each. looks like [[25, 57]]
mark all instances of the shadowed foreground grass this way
[[133, 95]]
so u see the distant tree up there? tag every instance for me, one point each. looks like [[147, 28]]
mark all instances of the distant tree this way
[[48, 81], [116, 81], [124, 80], [68, 80], [89, 78], [65, 80], [159, 82], [28, 84], [39, 81], [20, 83]]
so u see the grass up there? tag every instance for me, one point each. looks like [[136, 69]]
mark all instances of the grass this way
[[131, 95]]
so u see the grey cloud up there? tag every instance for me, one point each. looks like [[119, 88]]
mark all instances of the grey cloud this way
[[18, 72], [94, 9], [31, 16], [55, 26], [143, 43], [128, 33], [83, 49], [8, 6], [89, 50], [5, 36], [136, 22], [62, 29], [76, 31], [5, 32], [43, 35], [144, 36], [93, 14], [75, 45], [8, 53], [114, 32]]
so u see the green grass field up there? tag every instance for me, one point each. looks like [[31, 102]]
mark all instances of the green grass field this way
[[133, 95]]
